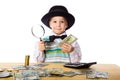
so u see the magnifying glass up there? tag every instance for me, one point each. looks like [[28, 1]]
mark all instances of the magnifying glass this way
[[38, 31]]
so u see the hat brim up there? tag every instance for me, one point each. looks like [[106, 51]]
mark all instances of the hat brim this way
[[69, 17]]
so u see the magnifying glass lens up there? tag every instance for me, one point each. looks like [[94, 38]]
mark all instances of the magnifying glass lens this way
[[38, 31]]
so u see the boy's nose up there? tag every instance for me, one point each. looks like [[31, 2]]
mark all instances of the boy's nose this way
[[58, 24]]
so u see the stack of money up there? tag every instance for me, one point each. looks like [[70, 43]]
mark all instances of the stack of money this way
[[59, 72], [72, 73], [19, 67], [26, 75], [30, 67], [37, 66], [96, 74], [70, 39], [54, 72], [36, 74]]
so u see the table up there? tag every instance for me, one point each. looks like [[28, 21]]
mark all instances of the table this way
[[112, 69]]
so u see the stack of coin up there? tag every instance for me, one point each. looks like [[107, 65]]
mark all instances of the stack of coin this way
[[27, 60]]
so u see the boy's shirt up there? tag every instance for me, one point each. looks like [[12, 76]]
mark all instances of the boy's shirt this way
[[53, 52]]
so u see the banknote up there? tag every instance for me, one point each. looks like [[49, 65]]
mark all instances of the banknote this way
[[54, 72], [96, 74], [70, 39], [60, 72], [19, 67], [34, 67], [26, 75], [72, 73], [30, 74]]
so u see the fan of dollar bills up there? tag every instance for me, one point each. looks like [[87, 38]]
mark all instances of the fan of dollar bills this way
[[70, 39]]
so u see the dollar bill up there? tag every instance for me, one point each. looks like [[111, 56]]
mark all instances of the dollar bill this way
[[26, 75], [70, 39], [96, 74], [72, 73], [60, 72], [35, 67], [52, 72]]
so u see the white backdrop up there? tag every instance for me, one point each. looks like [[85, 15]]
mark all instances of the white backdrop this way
[[97, 28]]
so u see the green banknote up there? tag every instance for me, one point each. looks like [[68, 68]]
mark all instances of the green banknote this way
[[96, 74], [26, 75], [70, 39]]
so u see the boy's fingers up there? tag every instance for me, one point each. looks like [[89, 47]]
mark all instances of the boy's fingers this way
[[42, 42]]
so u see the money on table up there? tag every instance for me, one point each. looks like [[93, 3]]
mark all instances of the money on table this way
[[96, 74]]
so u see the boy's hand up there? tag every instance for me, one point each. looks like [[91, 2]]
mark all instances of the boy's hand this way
[[67, 47], [41, 45]]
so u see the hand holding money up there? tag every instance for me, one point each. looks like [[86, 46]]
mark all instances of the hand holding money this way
[[67, 47], [66, 43]]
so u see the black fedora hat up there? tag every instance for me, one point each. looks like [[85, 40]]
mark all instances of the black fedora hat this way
[[58, 10]]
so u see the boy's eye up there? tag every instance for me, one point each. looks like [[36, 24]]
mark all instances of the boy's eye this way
[[62, 21], [54, 21]]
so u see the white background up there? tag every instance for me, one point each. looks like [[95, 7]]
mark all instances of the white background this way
[[97, 27]]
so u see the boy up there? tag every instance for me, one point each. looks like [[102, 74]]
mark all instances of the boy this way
[[58, 19]]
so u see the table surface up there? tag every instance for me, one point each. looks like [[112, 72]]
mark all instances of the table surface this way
[[112, 69]]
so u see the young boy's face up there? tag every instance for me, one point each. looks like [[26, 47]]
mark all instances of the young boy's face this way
[[58, 24]]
